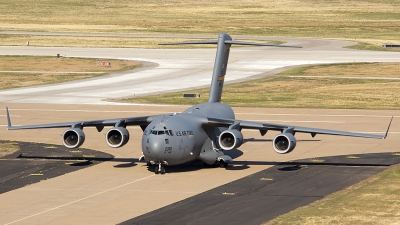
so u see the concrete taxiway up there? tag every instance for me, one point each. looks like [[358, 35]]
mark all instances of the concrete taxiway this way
[[115, 191]]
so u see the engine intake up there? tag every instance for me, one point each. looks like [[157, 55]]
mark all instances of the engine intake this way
[[73, 138], [230, 139], [284, 143], [117, 137]]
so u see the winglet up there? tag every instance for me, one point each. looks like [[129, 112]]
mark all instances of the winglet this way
[[8, 119], [387, 131]]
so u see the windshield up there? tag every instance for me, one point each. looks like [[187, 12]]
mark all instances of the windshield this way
[[161, 132]]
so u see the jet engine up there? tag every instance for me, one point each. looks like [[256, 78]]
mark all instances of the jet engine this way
[[230, 139], [73, 138], [284, 143], [117, 137]]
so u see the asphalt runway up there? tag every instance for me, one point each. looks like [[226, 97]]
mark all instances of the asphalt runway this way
[[118, 190]]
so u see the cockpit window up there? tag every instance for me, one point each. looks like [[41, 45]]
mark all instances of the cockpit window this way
[[161, 132]]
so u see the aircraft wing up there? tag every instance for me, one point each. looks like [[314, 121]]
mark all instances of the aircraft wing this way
[[264, 127], [99, 124]]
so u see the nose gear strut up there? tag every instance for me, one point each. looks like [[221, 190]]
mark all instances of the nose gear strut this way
[[159, 169]]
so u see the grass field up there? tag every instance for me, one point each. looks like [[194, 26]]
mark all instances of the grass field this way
[[371, 22], [22, 71]]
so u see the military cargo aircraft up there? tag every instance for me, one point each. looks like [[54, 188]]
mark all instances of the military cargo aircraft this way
[[201, 132]]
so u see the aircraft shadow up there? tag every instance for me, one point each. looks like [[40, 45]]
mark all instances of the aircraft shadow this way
[[234, 153], [235, 165], [305, 163]]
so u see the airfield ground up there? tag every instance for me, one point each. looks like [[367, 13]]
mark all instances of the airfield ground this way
[[119, 190], [115, 191]]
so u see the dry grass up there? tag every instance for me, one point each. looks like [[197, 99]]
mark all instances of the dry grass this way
[[109, 42], [22, 71], [374, 201], [8, 147], [373, 22]]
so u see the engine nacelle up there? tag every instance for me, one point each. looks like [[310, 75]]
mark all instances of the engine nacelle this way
[[230, 139], [117, 137], [73, 138], [284, 143]]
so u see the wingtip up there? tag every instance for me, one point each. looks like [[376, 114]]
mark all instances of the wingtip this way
[[387, 130], [8, 119]]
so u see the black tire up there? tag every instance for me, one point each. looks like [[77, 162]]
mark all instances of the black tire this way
[[223, 164], [162, 170]]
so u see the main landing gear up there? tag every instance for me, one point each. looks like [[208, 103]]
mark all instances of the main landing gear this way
[[224, 161], [159, 169]]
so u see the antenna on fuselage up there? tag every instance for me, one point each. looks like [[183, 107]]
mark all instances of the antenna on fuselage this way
[[224, 43]]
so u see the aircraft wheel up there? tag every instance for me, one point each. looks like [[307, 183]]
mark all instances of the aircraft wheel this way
[[162, 170], [223, 164], [156, 170]]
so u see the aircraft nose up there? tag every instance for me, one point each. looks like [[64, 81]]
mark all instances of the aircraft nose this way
[[157, 146]]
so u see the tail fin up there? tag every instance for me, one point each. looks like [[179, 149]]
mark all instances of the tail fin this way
[[224, 43]]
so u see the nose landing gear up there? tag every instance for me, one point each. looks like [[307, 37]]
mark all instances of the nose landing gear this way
[[159, 169]]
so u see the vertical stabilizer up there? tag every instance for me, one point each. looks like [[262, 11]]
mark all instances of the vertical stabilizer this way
[[220, 65]]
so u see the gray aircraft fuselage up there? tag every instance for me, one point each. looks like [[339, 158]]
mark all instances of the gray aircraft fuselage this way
[[179, 138]]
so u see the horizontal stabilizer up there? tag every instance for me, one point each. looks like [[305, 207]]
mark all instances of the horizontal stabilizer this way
[[191, 43], [258, 44], [229, 42]]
